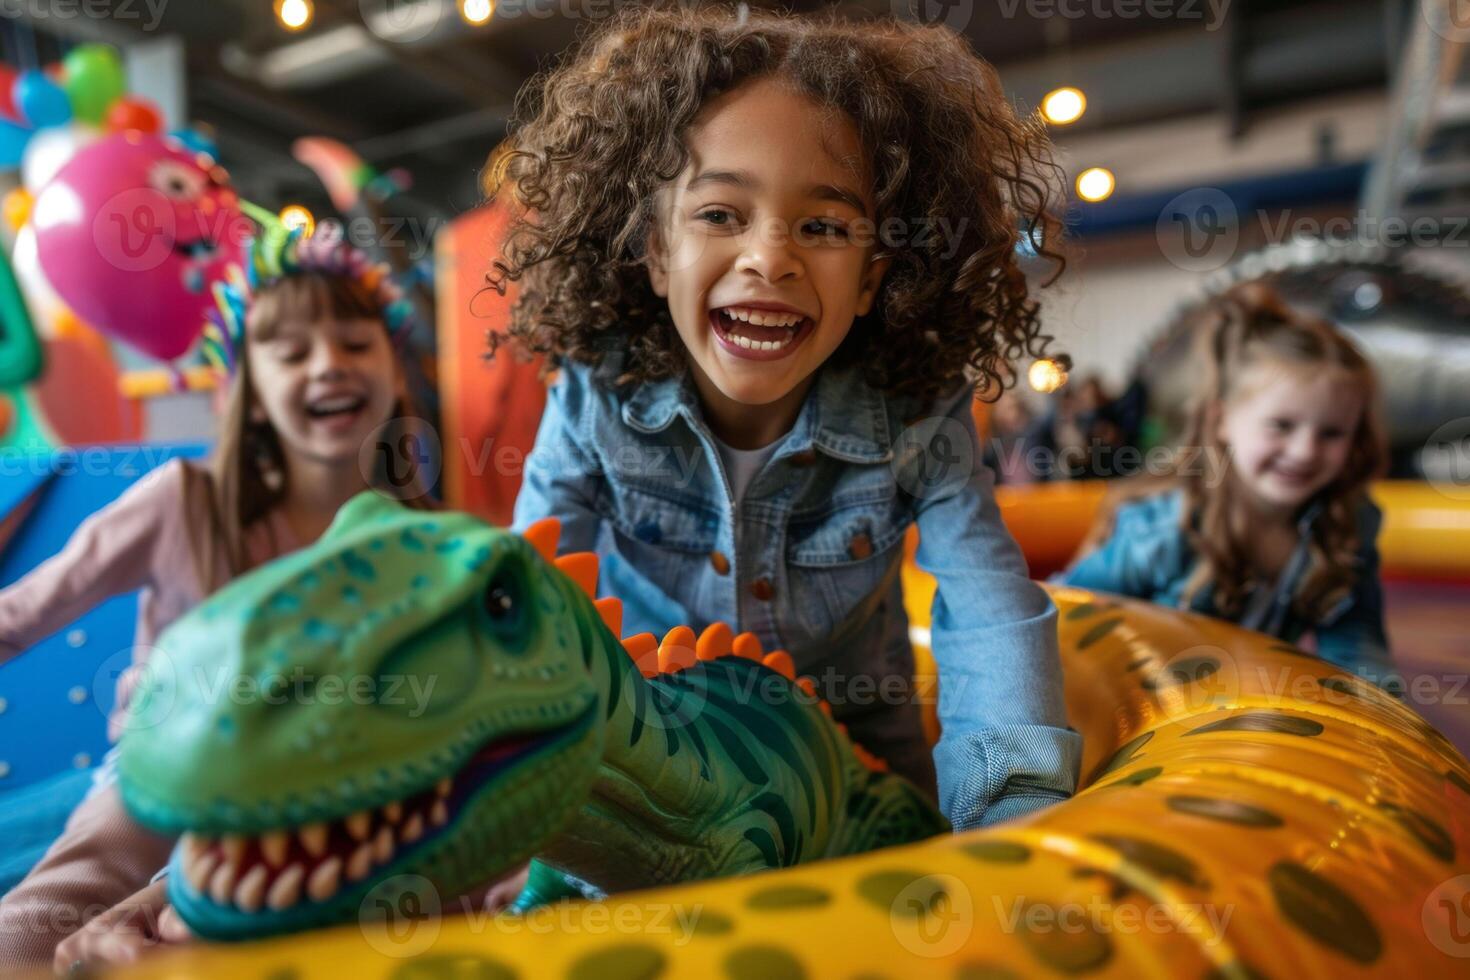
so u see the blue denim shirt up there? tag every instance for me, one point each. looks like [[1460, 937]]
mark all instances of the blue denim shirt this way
[[1148, 556], [810, 565]]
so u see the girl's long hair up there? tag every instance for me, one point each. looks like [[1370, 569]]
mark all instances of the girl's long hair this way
[[1249, 325], [226, 500]]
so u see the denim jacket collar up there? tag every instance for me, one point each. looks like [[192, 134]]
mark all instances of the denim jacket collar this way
[[843, 415]]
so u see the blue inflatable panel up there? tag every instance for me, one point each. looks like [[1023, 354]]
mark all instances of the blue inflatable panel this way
[[56, 696]]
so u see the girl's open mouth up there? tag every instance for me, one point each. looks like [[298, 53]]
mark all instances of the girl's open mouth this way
[[759, 335], [338, 413]]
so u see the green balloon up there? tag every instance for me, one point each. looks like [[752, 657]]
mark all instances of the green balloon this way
[[94, 80]]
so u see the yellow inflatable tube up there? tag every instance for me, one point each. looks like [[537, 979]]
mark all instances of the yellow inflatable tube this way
[[1426, 529], [1248, 812]]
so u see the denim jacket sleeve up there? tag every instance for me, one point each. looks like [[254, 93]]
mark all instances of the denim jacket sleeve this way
[[1005, 749], [1355, 639], [1144, 546], [561, 478]]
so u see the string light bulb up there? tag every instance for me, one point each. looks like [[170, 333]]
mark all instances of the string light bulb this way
[[1064, 105], [476, 12], [1096, 184], [294, 15]]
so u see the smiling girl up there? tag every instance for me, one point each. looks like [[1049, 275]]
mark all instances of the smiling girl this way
[[730, 252], [310, 344], [1282, 539]]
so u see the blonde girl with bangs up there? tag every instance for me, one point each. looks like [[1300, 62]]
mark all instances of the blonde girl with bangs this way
[[309, 340]]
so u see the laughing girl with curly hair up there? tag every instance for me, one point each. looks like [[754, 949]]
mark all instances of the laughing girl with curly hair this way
[[774, 258]]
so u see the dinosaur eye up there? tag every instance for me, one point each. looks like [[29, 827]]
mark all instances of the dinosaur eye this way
[[500, 603]]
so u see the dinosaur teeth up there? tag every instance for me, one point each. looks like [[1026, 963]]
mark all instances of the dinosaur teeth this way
[[393, 812], [439, 814], [286, 889], [274, 847], [443, 786], [233, 846], [413, 828], [194, 847], [358, 824], [360, 863], [383, 846], [323, 882], [314, 839], [199, 871], [250, 893], [222, 882]]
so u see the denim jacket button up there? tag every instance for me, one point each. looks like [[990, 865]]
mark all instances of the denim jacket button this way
[[861, 546], [762, 590], [720, 563]]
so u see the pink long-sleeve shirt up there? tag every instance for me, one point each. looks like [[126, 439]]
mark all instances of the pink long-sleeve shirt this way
[[140, 541]]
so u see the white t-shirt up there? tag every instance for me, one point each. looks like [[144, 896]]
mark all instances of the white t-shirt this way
[[741, 465]]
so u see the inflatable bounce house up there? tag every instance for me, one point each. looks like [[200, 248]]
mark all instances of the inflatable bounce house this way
[[1246, 810]]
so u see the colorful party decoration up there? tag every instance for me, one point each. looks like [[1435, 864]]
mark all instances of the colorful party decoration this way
[[130, 112], [40, 100], [94, 80], [13, 139], [50, 149], [20, 353], [16, 207], [133, 232]]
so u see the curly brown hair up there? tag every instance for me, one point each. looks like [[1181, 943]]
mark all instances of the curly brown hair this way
[[596, 137]]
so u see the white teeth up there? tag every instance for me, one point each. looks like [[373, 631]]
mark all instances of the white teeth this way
[[250, 893], [274, 847], [749, 344], [286, 889], [443, 786], [222, 883], [360, 862], [323, 882], [194, 847], [234, 847], [763, 318], [383, 846], [439, 814], [336, 404], [393, 812], [413, 829], [199, 871], [314, 839], [358, 824]]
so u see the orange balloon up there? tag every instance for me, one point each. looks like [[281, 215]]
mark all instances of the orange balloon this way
[[130, 112], [17, 208]]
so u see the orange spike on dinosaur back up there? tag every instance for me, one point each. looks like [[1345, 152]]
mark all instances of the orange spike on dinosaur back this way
[[714, 642], [643, 650], [780, 661], [580, 567], [677, 650], [748, 645], [611, 611], [543, 536]]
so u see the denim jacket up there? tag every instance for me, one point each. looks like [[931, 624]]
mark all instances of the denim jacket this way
[[810, 565], [1148, 556]]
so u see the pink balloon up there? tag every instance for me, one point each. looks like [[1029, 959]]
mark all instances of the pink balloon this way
[[132, 233]]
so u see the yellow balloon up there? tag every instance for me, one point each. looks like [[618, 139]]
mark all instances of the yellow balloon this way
[[18, 208]]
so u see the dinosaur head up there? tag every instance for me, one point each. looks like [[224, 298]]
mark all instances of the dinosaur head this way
[[412, 695]]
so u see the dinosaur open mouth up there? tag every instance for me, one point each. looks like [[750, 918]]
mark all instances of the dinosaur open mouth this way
[[281, 868]]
